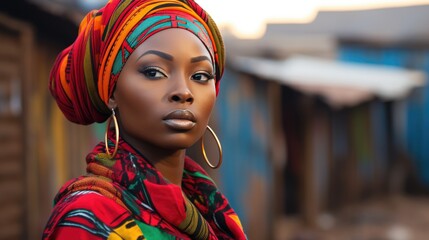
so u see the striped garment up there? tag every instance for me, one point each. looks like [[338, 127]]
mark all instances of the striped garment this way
[[127, 198]]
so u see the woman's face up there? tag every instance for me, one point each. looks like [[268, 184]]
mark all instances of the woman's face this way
[[166, 92]]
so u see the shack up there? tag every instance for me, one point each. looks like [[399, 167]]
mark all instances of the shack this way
[[40, 148], [327, 114]]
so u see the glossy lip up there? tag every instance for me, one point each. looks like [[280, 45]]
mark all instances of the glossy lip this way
[[180, 120]]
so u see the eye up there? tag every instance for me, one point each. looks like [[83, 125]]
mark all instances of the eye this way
[[153, 73], [202, 77]]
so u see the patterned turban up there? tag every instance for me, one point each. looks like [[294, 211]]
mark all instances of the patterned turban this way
[[84, 74]]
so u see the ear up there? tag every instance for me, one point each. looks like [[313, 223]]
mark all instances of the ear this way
[[112, 102]]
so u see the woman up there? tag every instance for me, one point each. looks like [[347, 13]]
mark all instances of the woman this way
[[152, 67]]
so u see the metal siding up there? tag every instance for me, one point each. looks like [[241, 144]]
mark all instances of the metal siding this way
[[243, 122], [417, 105], [378, 118]]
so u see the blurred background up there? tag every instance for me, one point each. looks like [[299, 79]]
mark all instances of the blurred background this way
[[323, 115]]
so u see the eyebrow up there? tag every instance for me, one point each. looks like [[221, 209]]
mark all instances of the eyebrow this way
[[164, 55], [200, 58]]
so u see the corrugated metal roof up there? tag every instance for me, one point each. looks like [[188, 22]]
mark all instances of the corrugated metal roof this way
[[340, 84], [388, 26], [395, 24]]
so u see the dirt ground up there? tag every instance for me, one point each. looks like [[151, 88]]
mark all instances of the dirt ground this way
[[395, 218]]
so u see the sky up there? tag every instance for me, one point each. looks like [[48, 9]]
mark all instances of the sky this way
[[247, 18]]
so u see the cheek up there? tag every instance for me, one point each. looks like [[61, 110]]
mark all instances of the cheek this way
[[140, 106], [134, 92], [208, 103], [134, 102]]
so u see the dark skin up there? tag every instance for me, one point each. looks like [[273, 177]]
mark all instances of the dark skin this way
[[164, 97]]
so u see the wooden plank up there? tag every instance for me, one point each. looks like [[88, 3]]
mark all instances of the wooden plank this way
[[10, 168], [13, 74], [10, 231], [9, 48], [11, 149], [309, 196], [11, 190], [10, 131], [11, 212], [8, 118], [8, 68]]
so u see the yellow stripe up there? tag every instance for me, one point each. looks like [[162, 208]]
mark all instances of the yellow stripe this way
[[236, 220], [190, 224]]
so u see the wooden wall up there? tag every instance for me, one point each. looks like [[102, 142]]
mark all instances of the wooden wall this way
[[12, 128], [40, 148]]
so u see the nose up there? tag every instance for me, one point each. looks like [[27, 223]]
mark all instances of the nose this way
[[181, 93]]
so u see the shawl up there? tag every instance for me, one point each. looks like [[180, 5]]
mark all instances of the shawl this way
[[84, 74], [127, 198]]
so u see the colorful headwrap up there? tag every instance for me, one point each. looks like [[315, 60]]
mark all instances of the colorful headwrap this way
[[84, 74]]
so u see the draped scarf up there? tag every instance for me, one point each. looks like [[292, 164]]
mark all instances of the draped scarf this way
[[196, 210]]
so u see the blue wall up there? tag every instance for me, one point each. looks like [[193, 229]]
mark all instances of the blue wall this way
[[243, 120], [416, 138]]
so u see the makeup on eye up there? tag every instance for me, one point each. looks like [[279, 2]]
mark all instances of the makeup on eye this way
[[202, 77], [152, 72]]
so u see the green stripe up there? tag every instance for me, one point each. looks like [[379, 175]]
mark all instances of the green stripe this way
[[89, 80], [151, 232], [147, 23], [130, 201], [199, 175], [118, 11], [188, 25]]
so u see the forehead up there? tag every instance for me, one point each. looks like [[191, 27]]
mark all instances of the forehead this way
[[174, 41]]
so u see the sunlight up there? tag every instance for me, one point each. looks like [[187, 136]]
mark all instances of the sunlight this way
[[248, 20]]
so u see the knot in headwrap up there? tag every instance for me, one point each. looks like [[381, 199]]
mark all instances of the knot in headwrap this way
[[84, 74]]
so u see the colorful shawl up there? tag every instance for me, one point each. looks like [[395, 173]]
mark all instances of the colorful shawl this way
[[84, 75], [127, 198]]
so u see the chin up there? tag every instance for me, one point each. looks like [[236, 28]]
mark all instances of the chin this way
[[178, 145], [178, 142]]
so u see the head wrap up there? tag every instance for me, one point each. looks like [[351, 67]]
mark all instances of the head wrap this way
[[84, 74]]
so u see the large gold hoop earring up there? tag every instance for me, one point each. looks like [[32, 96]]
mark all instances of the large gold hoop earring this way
[[111, 156], [219, 148]]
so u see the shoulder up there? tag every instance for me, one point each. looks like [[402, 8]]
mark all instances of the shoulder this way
[[85, 215], [93, 201]]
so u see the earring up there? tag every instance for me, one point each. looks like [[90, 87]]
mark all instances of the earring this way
[[219, 148], [111, 156]]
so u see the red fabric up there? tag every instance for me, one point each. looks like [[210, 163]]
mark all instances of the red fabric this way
[[113, 215], [132, 189]]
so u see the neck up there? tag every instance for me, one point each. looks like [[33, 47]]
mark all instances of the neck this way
[[170, 163]]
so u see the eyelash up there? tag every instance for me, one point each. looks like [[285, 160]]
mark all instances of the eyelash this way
[[147, 70], [205, 74]]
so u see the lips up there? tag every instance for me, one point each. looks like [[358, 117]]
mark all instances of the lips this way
[[180, 120]]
